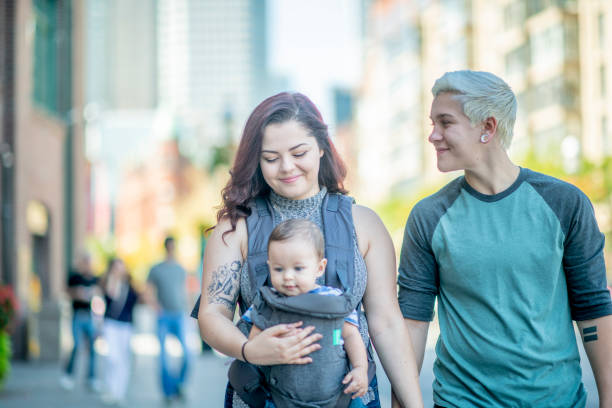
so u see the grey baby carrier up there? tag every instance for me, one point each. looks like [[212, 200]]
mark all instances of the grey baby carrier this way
[[297, 385]]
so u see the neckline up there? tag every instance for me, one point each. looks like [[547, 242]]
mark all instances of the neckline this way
[[283, 204], [494, 197]]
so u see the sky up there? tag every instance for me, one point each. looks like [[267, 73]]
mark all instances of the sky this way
[[317, 45]]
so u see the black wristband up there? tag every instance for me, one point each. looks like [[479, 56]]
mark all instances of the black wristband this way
[[242, 351]]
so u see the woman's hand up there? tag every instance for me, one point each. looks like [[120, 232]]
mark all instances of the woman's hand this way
[[282, 344]]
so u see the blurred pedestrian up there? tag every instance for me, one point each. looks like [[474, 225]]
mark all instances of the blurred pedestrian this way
[[166, 292], [121, 298], [512, 255], [82, 287]]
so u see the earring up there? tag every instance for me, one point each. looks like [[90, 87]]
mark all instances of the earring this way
[[484, 138]]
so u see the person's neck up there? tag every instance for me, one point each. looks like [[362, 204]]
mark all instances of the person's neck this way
[[494, 174]]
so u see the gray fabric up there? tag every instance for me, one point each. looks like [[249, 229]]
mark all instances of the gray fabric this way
[[582, 259], [417, 296], [319, 383], [309, 208], [168, 277]]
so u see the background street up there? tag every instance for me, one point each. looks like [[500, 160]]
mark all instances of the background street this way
[[34, 385]]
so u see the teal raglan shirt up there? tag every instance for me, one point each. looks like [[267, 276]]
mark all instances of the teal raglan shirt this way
[[510, 272]]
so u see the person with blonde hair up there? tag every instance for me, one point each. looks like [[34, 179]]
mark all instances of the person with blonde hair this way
[[512, 257]]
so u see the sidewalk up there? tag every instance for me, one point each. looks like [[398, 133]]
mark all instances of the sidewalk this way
[[33, 385]]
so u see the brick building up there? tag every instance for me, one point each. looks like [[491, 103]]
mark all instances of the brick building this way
[[43, 179]]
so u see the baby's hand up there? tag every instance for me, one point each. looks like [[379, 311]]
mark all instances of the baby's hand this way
[[357, 380]]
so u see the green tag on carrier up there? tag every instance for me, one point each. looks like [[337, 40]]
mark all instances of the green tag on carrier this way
[[337, 337]]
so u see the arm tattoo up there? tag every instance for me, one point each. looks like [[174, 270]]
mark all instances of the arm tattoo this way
[[589, 334], [225, 285]]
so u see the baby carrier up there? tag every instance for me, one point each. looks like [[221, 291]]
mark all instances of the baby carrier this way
[[296, 385]]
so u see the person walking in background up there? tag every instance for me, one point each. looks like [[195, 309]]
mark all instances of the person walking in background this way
[[512, 255], [82, 287], [166, 290], [121, 298]]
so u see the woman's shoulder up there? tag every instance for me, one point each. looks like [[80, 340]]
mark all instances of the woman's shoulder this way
[[367, 223], [361, 213], [229, 235]]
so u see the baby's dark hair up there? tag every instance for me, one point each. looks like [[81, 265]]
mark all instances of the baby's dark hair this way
[[299, 228]]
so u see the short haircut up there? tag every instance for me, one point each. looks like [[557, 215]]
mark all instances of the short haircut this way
[[299, 228], [169, 240], [482, 95]]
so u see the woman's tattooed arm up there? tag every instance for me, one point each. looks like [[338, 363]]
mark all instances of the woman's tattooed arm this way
[[225, 285]]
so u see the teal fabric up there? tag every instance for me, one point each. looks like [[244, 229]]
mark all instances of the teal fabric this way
[[506, 329], [510, 272]]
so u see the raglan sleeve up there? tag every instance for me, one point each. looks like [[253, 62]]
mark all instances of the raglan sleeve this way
[[583, 262], [418, 271]]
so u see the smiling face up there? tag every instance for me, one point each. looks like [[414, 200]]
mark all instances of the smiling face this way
[[290, 160], [294, 266], [456, 141]]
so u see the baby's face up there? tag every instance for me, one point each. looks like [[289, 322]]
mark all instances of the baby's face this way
[[294, 266]]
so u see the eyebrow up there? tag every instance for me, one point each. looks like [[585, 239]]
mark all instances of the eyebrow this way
[[442, 115], [291, 148]]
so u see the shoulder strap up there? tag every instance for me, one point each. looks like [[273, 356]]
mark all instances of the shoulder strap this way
[[259, 226], [338, 229]]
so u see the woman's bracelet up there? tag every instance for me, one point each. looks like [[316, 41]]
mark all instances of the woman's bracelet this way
[[242, 351]]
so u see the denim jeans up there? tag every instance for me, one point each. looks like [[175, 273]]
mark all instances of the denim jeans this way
[[83, 328], [172, 323]]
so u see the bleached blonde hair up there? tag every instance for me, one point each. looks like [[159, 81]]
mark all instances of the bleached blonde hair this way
[[482, 95]]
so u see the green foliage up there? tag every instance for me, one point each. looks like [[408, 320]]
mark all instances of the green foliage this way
[[5, 356]]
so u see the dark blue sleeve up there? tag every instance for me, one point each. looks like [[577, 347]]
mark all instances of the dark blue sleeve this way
[[418, 271], [583, 262], [583, 258]]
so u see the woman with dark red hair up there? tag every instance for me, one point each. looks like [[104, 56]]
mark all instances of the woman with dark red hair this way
[[287, 167]]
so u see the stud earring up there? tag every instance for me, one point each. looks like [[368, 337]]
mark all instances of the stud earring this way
[[484, 138]]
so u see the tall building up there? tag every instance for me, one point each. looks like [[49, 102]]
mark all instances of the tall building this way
[[43, 173], [212, 65], [554, 54], [408, 44], [541, 51], [121, 54], [121, 95]]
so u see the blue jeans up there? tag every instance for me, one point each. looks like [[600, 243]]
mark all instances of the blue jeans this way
[[356, 403], [172, 323], [83, 327]]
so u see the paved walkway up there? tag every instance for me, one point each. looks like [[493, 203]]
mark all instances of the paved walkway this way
[[36, 385]]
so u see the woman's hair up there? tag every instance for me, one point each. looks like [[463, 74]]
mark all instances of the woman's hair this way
[[299, 228], [246, 179], [482, 95], [109, 267]]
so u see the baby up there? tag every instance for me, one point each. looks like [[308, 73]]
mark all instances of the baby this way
[[296, 260]]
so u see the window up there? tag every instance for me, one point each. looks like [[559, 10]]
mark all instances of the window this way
[[514, 14], [45, 54], [517, 60], [602, 81], [601, 25], [547, 46]]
